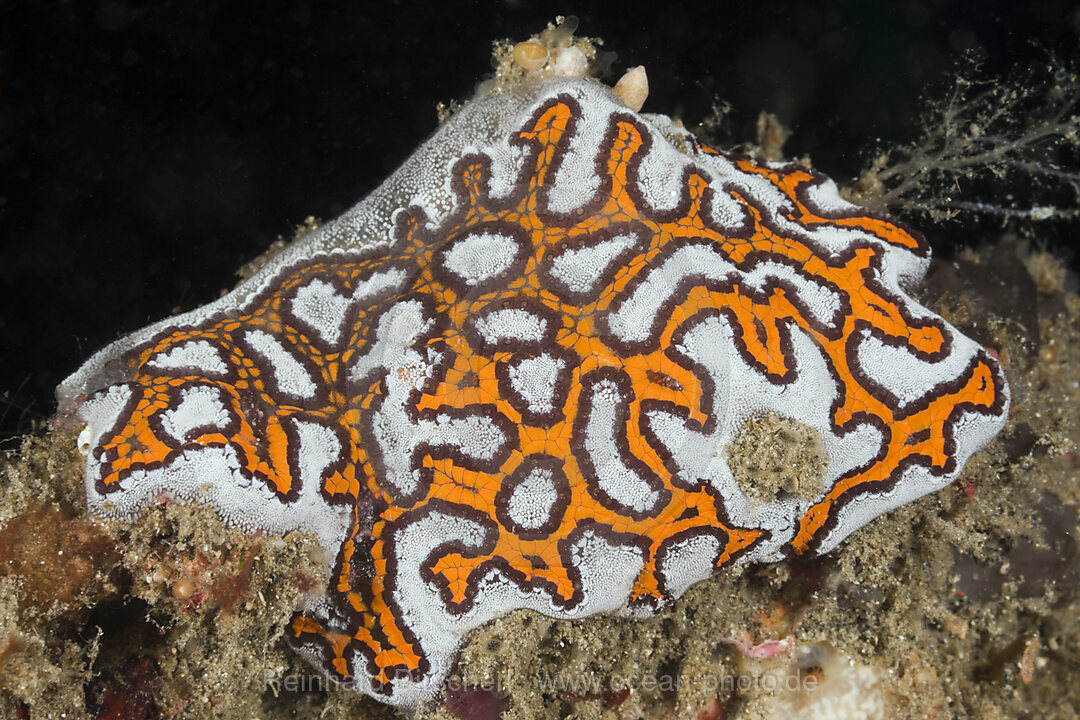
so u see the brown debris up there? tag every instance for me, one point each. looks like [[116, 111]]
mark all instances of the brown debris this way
[[55, 554], [772, 456]]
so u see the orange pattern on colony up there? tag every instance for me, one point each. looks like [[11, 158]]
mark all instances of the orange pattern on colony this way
[[361, 582]]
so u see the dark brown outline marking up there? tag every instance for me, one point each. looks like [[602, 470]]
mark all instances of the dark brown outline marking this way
[[559, 481], [642, 472]]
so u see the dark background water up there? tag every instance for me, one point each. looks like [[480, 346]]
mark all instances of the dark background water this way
[[147, 150]]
